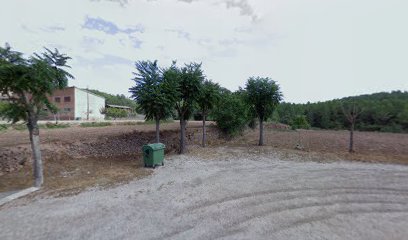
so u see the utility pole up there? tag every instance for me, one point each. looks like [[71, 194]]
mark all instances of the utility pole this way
[[87, 103]]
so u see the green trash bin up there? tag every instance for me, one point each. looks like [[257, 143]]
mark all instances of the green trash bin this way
[[153, 154]]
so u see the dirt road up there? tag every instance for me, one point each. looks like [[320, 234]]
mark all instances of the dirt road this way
[[228, 193]]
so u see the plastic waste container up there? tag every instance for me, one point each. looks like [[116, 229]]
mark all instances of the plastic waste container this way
[[153, 154]]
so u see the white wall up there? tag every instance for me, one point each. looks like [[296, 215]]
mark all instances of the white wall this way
[[96, 103]]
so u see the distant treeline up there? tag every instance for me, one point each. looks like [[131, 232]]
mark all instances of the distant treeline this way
[[385, 112], [121, 99]]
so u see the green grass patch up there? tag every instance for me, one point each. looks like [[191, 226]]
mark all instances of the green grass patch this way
[[128, 123], [3, 127], [131, 123], [154, 122], [95, 124], [19, 127], [50, 125]]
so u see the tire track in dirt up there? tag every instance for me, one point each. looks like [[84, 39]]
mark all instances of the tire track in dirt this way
[[356, 199], [304, 221], [320, 218], [241, 222], [207, 204]]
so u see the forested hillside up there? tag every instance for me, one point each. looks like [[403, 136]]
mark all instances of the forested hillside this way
[[115, 99], [387, 112]]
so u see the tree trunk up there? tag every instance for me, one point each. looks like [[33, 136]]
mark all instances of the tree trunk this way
[[182, 135], [351, 146], [204, 131], [261, 137], [35, 147], [157, 130]]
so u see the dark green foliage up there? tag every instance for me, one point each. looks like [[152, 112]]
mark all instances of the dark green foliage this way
[[187, 81], [120, 100], [37, 76], [28, 82], [386, 112], [300, 122], [115, 113], [263, 95], [154, 95], [3, 108], [253, 123], [19, 127], [50, 125], [3, 127], [95, 124], [232, 114], [208, 97]]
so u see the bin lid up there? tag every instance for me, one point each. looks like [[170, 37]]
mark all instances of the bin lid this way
[[155, 146]]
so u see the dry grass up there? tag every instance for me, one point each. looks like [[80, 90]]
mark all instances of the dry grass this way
[[66, 173]]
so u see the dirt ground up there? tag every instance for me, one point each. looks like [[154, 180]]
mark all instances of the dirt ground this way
[[227, 193], [76, 158]]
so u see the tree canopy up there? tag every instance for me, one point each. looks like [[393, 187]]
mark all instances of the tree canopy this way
[[263, 96], [28, 82], [187, 82], [207, 99], [154, 96], [118, 99], [386, 112]]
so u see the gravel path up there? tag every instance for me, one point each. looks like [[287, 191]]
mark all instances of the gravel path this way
[[5, 194], [228, 194]]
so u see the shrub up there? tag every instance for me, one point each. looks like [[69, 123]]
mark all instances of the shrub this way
[[95, 124], [394, 128], [231, 115], [253, 124], [3, 127], [116, 113], [56, 125], [300, 122], [3, 107], [20, 127]]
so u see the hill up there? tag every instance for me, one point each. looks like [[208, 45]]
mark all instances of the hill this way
[[385, 112], [115, 99]]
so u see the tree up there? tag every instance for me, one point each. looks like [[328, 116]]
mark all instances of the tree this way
[[231, 114], [300, 122], [187, 81], [263, 95], [351, 112], [208, 97], [28, 83], [153, 94], [115, 113], [382, 112]]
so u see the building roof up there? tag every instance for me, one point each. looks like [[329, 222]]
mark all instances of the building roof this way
[[118, 106], [85, 90]]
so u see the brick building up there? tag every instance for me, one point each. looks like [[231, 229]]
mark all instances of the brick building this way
[[75, 104]]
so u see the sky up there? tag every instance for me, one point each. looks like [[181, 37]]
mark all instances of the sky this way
[[315, 50]]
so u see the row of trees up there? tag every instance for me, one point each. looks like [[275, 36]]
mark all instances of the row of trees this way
[[181, 92], [161, 92], [386, 112], [114, 113], [118, 99]]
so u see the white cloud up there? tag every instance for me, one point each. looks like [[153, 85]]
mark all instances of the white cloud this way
[[315, 49]]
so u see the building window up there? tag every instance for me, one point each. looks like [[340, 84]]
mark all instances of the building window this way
[[67, 109], [57, 99], [67, 99]]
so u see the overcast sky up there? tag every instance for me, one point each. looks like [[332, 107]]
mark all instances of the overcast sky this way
[[315, 49]]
